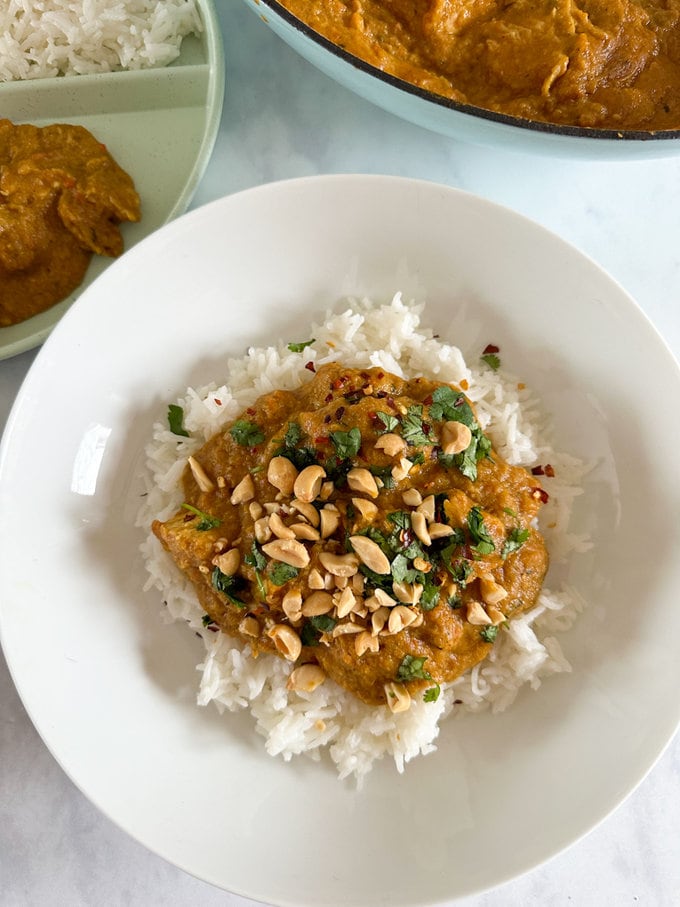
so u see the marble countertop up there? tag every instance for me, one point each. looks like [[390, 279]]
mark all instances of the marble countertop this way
[[284, 119]]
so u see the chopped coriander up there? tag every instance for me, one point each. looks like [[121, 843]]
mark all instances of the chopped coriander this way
[[389, 422], [300, 457], [412, 426], [314, 627], [294, 435], [491, 360], [400, 569], [461, 571], [514, 540], [206, 522], [384, 473], [400, 518], [258, 562], [411, 668], [281, 573], [246, 433], [430, 597], [299, 347], [228, 585], [489, 633], [207, 620], [484, 544], [451, 406], [346, 443], [432, 693], [176, 419]]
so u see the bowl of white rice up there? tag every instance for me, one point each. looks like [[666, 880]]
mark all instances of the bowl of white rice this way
[[200, 751], [146, 77]]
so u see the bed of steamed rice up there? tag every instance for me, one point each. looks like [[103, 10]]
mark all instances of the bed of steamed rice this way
[[392, 337], [43, 38]]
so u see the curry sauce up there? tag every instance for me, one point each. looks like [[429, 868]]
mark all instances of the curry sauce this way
[[611, 64], [62, 197], [363, 528]]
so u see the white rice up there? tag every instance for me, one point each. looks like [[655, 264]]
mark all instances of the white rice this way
[[355, 735], [42, 38]]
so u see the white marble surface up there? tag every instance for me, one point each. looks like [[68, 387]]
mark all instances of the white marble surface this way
[[283, 119]]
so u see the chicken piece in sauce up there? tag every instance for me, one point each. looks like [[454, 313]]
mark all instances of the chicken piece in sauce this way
[[363, 528], [62, 197]]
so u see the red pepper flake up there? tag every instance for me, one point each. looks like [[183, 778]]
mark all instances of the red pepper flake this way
[[310, 366], [327, 419], [339, 412], [549, 471], [381, 375], [321, 440], [250, 411], [540, 494], [218, 401], [491, 348], [537, 471], [329, 397], [464, 384], [428, 400], [338, 382]]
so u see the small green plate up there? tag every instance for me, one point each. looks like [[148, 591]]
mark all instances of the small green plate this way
[[159, 124]]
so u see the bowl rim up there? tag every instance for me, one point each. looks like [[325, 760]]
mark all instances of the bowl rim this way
[[623, 135]]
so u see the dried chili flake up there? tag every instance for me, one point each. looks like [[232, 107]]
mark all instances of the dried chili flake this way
[[310, 366], [491, 348], [540, 494]]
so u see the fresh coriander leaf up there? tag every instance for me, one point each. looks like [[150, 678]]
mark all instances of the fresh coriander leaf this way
[[384, 473], [207, 620], [346, 443], [466, 461], [246, 433], [514, 540], [255, 558], [412, 427], [451, 406], [299, 347], [489, 633], [411, 668], [323, 622], [484, 544], [258, 562], [294, 435], [400, 518], [176, 419], [206, 521], [400, 569], [432, 693], [491, 360], [281, 573], [461, 572], [389, 422], [313, 628], [430, 597], [228, 585]]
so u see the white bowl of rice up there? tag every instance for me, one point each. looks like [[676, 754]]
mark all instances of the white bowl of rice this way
[[200, 751]]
